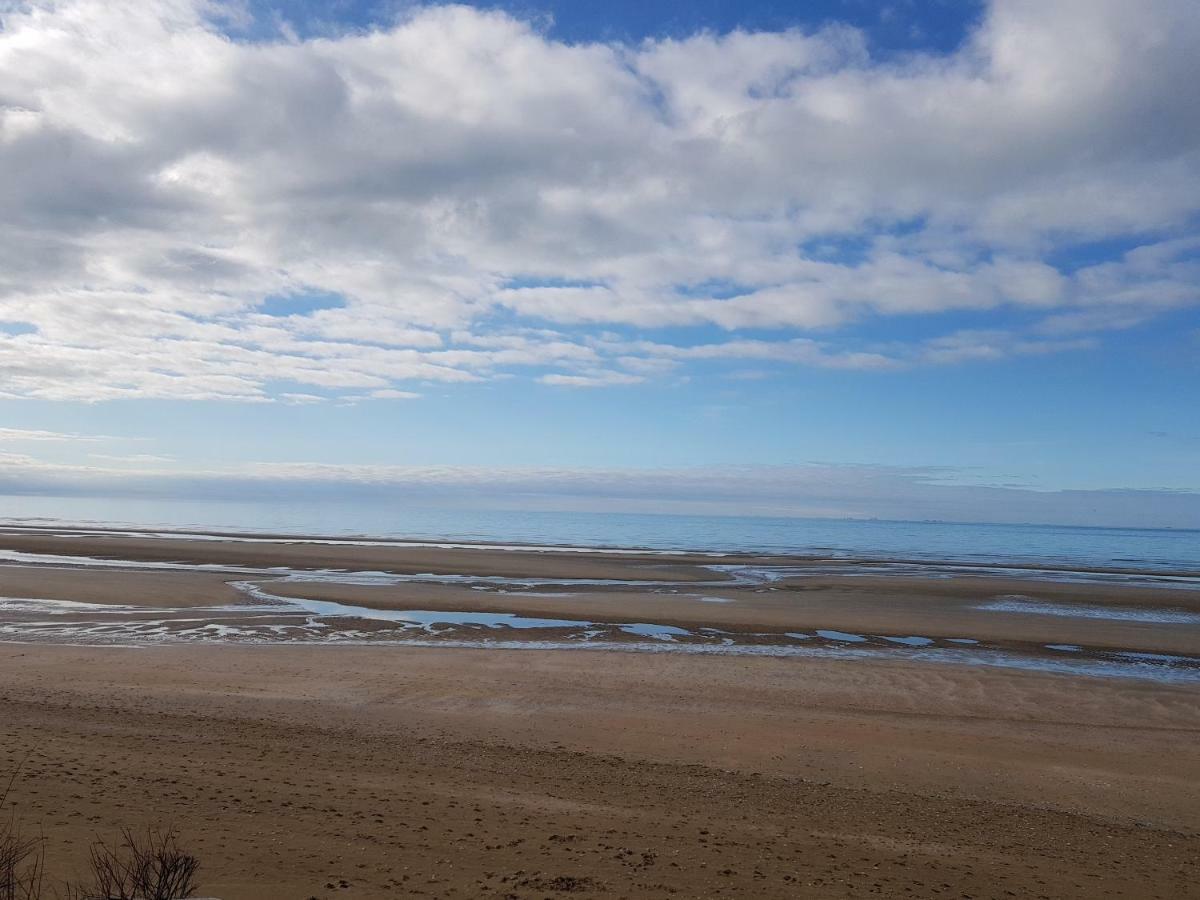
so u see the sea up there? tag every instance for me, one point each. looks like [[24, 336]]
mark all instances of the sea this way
[[1144, 549]]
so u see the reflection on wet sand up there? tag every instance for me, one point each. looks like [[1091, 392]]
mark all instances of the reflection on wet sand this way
[[99, 588], [267, 618]]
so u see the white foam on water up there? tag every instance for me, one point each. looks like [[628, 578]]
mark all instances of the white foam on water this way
[[134, 634], [53, 607], [659, 632], [1169, 659]]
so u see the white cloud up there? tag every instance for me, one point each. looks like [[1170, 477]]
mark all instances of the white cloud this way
[[389, 394], [591, 379], [463, 180], [32, 434], [133, 459]]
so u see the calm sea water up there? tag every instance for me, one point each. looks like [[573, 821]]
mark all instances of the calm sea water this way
[[1149, 549]]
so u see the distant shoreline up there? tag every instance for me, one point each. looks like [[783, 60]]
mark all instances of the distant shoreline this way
[[844, 559]]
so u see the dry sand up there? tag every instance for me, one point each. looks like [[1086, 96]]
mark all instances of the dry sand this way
[[520, 773]]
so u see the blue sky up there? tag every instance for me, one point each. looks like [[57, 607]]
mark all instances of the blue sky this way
[[884, 254], [900, 27]]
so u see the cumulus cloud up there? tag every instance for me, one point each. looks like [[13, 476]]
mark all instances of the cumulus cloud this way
[[484, 200]]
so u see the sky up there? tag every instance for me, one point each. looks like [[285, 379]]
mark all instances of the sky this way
[[930, 259]]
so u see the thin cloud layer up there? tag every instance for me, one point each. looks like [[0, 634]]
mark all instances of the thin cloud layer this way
[[888, 492], [22, 435], [458, 197]]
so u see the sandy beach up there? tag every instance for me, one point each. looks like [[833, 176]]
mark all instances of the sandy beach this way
[[319, 752], [535, 450]]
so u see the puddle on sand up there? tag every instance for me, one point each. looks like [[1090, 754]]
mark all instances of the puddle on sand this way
[[268, 618], [428, 619], [841, 636], [1018, 603]]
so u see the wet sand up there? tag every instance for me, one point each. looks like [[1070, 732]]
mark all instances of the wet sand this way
[[412, 559], [939, 609], [466, 559], [1000, 612], [325, 770]]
